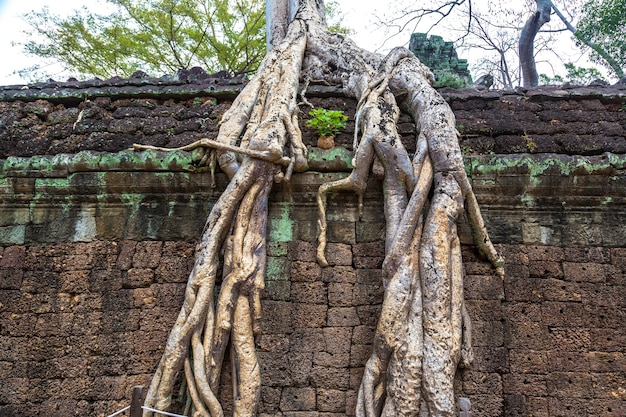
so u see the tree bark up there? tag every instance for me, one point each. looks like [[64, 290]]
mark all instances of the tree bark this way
[[530, 78], [278, 15]]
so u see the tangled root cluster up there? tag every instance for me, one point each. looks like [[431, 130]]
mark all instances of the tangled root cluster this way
[[423, 332]]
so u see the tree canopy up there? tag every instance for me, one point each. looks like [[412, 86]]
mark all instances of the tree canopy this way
[[603, 25], [156, 36]]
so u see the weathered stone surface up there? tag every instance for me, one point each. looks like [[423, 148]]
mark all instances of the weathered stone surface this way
[[96, 249]]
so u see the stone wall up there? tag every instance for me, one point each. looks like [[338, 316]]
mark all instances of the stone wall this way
[[440, 56], [96, 249]]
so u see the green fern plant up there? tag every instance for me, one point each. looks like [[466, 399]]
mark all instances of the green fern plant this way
[[327, 122]]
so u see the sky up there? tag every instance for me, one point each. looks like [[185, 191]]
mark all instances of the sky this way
[[12, 25], [361, 15]]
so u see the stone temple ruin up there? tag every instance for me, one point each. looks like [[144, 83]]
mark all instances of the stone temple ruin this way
[[440, 56], [96, 243]]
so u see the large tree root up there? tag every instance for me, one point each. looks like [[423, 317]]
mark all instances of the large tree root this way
[[260, 128], [420, 338], [422, 332]]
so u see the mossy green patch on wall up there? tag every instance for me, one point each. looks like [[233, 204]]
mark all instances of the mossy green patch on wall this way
[[278, 268], [537, 167], [281, 223], [13, 235], [335, 159]]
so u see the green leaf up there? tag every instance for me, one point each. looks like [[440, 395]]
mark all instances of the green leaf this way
[[603, 24], [156, 36], [326, 122]]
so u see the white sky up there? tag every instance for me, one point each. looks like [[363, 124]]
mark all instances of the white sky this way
[[359, 15]]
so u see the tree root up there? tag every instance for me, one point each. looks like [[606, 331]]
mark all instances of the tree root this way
[[422, 334], [420, 337], [260, 127], [209, 143]]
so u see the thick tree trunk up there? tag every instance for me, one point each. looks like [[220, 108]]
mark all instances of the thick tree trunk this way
[[278, 14], [527, 42], [422, 332]]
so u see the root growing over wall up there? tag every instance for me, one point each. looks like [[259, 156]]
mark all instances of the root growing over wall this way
[[423, 332]]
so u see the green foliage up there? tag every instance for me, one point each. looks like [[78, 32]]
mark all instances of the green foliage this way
[[546, 79], [334, 18], [603, 23], [467, 150], [156, 36], [326, 122], [575, 75], [448, 79], [581, 75], [531, 146]]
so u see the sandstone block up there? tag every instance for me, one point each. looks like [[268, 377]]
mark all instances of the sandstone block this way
[[330, 378], [340, 294], [583, 272], [337, 339], [343, 316], [297, 399], [147, 254], [305, 271], [309, 292], [331, 400], [300, 364], [526, 384], [339, 254], [339, 274], [367, 232], [309, 315]]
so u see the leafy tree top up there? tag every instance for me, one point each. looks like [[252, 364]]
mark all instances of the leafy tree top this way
[[156, 36], [603, 24]]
